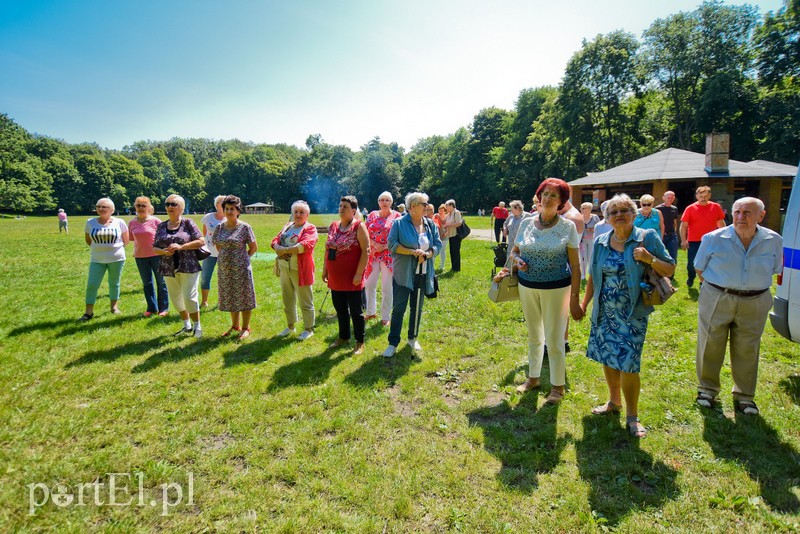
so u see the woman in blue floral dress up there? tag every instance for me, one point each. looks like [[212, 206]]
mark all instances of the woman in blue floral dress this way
[[619, 318]]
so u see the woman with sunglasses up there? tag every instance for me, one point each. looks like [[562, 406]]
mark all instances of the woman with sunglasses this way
[[177, 240], [106, 237], [379, 264], [619, 318], [142, 230], [648, 217]]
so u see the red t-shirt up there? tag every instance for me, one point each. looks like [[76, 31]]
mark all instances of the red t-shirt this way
[[342, 269], [500, 213], [702, 219]]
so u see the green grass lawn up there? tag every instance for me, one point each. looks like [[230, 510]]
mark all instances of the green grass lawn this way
[[279, 435]]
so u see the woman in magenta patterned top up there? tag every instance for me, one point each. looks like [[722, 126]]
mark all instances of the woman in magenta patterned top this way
[[379, 265], [346, 254]]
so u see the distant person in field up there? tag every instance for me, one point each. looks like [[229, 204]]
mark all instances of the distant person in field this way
[[414, 242], [499, 216], [697, 220], [294, 245], [106, 236], [177, 240], [236, 243], [210, 221], [736, 265], [619, 318], [62, 221], [346, 255], [649, 217], [590, 220], [379, 265], [451, 224], [545, 254], [143, 233]]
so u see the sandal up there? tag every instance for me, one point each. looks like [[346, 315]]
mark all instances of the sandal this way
[[554, 397], [245, 333], [338, 343], [529, 384], [635, 428], [230, 331], [706, 400], [359, 348], [85, 317], [745, 407], [608, 408]]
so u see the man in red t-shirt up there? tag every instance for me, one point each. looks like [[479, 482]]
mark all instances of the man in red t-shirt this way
[[499, 215], [697, 220]]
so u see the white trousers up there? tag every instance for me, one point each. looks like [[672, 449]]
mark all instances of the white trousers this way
[[379, 269], [585, 253], [546, 313], [182, 289], [443, 253]]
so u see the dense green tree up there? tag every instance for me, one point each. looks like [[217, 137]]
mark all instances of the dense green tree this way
[[376, 168]]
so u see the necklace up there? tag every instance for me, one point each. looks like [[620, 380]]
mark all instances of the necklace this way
[[549, 223], [614, 237]]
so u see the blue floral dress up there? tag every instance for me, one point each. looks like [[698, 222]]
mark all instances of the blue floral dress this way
[[615, 341]]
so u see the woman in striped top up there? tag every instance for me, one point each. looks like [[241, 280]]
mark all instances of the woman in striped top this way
[[106, 237]]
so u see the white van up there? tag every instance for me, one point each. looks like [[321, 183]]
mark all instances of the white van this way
[[785, 314]]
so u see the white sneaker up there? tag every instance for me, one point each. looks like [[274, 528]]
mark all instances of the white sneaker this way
[[198, 333], [305, 334], [286, 332], [415, 346], [389, 352]]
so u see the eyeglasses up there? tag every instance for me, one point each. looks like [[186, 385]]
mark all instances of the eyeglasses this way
[[614, 213], [384, 200], [171, 204], [647, 205], [102, 207], [141, 205]]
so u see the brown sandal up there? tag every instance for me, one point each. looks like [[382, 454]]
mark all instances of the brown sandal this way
[[529, 384], [554, 397], [608, 408]]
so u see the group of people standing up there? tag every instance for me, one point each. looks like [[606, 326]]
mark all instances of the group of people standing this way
[[549, 250], [170, 260], [737, 263]]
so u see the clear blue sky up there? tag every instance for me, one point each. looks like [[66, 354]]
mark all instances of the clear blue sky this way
[[119, 71]]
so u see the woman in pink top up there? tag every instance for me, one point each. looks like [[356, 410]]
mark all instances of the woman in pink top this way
[[142, 229]]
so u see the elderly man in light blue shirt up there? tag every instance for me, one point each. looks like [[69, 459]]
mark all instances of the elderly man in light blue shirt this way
[[736, 264]]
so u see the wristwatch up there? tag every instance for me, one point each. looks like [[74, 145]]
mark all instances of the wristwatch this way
[[653, 260]]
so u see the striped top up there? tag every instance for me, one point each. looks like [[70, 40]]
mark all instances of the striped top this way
[[107, 244]]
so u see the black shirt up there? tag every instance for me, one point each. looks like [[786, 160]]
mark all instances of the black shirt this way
[[670, 214]]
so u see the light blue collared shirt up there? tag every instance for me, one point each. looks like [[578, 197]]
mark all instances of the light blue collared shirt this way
[[724, 261]]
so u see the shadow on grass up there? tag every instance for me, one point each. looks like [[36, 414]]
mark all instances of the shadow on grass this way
[[755, 445], [622, 476], [380, 368], [257, 351], [311, 370], [176, 353], [791, 386], [524, 438], [67, 327], [118, 351]]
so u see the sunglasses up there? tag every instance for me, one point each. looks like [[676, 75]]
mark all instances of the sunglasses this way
[[171, 204], [141, 205], [647, 205], [614, 213]]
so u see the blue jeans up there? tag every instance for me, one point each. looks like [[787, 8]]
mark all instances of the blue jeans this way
[[208, 270], [148, 269], [694, 246], [671, 242], [402, 297]]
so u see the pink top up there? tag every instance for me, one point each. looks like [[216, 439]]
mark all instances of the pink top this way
[[62, 216], [143, 235], [378, 229], [342, 269]]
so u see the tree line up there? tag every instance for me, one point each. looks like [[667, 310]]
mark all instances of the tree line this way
[[717, 68]]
